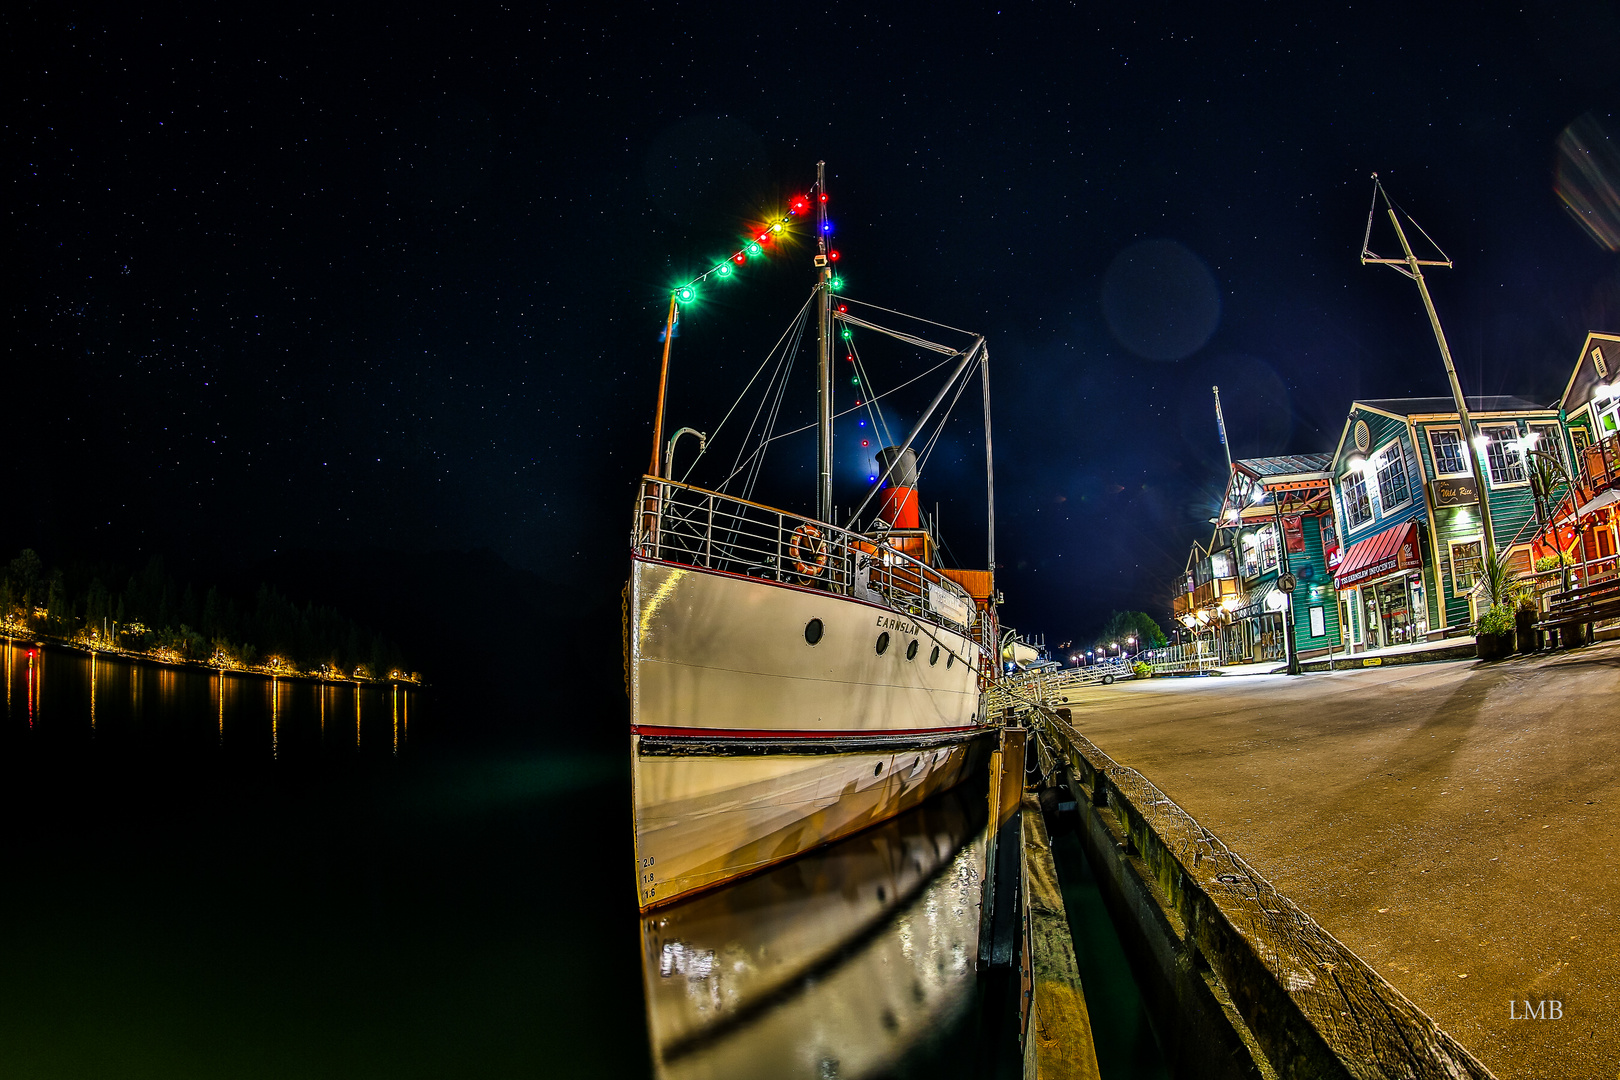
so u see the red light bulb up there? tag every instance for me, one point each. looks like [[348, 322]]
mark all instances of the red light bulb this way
[[843, 307], [823, 197], [832, 256], [739, 258]]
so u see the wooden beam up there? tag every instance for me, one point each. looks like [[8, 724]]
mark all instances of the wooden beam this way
[[1058, 1044]]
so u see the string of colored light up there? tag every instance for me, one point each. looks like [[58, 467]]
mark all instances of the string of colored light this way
[[771, 230]]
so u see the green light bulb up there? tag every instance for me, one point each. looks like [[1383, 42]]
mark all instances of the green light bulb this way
[[837, 284], [725, 269], [686, 294], [753, 248], [847, 334]]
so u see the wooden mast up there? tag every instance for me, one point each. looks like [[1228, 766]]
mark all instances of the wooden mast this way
[[1412, 267], [663, 381]]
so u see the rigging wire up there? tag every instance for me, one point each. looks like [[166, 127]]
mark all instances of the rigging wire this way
[[922, 460], [886, 393], [873, 411], [903, 315], [798, 323], [758, 456]]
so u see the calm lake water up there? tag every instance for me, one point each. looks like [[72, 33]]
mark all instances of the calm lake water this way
[[214, 876]]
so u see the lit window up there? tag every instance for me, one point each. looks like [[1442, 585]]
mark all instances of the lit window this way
[[1503, 456], [1357, 507], [1448, 453], [1393, 489], [1549, 442], [1466, 564]]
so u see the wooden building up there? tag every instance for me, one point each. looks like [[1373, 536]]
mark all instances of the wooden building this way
[[1404, 496]]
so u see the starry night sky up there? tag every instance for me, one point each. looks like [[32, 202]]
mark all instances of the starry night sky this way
[[395, 280]]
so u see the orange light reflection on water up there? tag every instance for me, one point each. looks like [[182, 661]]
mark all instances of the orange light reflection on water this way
[[357, 716], [92, 690]]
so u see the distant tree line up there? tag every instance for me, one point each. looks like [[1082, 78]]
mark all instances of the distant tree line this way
[[153, 613], [1123, 625]]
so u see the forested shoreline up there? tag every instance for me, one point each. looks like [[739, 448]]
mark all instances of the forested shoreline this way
[[153, 615]]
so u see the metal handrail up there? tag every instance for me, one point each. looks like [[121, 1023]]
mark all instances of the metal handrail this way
[[678, 523]]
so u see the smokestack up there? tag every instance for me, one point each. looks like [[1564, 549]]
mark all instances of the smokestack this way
[[899, 507]]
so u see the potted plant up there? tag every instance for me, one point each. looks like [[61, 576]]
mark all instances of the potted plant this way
[[1493, 633], [1524, 621]]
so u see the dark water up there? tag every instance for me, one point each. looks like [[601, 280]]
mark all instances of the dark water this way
[[229, 877], [274, 897]]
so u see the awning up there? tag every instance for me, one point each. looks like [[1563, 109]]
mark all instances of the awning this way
[[1256, 605], [1393, 549], [1608, 498]]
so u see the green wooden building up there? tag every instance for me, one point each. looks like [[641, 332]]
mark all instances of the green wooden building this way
[[1411, 543]]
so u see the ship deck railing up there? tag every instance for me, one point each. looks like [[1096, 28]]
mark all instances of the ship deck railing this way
[[692, 526]]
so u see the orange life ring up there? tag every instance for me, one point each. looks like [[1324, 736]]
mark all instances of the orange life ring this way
[[807, 538]]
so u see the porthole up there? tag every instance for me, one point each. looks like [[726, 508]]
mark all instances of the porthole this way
[[950, 658], [878, 770], [911, 650], [933, 657], [812, 631], [883, 643]]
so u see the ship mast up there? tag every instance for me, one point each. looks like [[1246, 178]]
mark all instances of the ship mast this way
[[824, 403]]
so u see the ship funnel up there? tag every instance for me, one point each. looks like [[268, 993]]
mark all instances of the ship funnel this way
[[900, 497]]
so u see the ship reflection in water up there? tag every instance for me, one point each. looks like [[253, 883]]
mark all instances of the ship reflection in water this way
[[835, 964]]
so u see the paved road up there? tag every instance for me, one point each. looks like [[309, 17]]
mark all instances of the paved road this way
[[1456, 824]]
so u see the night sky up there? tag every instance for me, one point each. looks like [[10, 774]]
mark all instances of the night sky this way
[[395, 281]]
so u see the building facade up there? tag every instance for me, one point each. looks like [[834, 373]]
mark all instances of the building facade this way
[[1407, 510]]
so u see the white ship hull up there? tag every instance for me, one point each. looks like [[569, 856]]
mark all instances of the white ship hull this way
[[751, 745]]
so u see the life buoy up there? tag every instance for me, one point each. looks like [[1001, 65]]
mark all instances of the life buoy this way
[[807, 540]]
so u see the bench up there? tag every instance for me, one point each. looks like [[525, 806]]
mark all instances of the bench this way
[[1581, 607]]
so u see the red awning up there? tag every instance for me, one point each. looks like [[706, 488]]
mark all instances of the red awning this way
[[1393, 549]]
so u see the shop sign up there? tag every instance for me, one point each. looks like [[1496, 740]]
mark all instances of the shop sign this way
[[1330, 543], [1400, 555], [1454, 491], [1294, 534]]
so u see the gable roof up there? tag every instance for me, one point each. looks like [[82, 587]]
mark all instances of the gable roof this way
[[1585, 376], [1286, 465], [1418, 406]]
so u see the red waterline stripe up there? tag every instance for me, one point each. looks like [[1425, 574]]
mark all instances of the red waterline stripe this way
[[767, 733]]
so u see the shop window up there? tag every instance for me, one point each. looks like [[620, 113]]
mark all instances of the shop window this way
[[1548, 440], [1449, 459], [1467, 563], [1260, 551], [1393, 490], [1357, 507], [1504, 456]]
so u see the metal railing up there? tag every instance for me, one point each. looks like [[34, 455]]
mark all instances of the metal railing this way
[[688, 525]]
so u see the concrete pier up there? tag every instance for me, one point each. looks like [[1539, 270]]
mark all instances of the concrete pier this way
[[1452, 824]]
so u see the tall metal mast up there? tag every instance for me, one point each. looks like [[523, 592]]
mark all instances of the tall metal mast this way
[[1412, 267], [989, 471], [824, 402]]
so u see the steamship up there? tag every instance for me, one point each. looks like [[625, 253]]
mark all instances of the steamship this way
[[793, 680]]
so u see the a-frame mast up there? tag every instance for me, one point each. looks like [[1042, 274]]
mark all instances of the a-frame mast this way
[[824, 402]]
